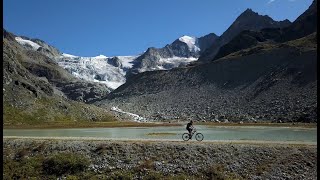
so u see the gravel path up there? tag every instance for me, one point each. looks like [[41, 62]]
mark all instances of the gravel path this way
[[162, 140]]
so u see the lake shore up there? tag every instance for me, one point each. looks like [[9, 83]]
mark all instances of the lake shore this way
[[162, 159], [60, 125]]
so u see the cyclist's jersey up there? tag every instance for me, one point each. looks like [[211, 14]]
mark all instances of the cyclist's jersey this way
[[189, 125]]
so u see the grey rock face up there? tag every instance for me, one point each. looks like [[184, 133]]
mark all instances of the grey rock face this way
[[115, 61], [83, 91], [207, 41], [47, 49]]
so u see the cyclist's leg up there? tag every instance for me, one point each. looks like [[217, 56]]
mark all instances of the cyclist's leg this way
[[189, 130]]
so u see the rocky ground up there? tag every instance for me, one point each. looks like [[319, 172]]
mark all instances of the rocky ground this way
[[275, 83], [142, 160]]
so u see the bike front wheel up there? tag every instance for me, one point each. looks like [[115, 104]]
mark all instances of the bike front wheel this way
[[185, 136], [199, 136]]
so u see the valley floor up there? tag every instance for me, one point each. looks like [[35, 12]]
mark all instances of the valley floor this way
[[107, 159]]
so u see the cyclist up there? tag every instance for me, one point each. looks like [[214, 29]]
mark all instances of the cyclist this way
[[189, 128]]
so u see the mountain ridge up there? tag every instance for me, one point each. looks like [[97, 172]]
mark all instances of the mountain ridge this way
[[247, 20]]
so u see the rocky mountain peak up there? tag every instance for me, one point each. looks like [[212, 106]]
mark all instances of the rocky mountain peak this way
[[249, 19], [248, 12], [304, 25]]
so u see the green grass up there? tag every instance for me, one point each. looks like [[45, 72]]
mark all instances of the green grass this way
[[48, 112]]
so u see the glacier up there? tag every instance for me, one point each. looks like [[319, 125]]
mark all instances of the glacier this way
[[97, 69]]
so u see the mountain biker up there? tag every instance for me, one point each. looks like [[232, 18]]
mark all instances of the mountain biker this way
[[190, 127]]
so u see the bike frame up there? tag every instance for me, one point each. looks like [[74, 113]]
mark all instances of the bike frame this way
[[194, 130]]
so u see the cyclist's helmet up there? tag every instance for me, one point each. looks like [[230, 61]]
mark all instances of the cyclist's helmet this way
[[191, 121]]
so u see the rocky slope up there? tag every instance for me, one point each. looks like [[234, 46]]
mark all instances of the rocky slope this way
[[155, 160], [267, 82], [247, 39], [31, 92], [38, 45], [248, 20]]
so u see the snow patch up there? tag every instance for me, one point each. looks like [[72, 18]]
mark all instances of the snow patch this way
[[24, 42], [100, 57], [68, 55], [191, 42], [169, 63], [135, 117], [111, 84]]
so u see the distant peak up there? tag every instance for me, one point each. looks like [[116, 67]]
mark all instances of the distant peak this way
[[249, 11], [187, 39], [286, 20], [192, 43], [100, 57]]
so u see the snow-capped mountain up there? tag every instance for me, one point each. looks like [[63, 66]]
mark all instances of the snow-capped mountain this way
[[179, 53], [113, 71]]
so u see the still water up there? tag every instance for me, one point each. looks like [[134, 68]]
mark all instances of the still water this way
[[260, 133]]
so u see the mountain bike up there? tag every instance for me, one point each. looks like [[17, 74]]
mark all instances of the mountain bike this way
[[199, 136]]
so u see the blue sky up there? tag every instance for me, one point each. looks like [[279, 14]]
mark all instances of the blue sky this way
[[129, 27]]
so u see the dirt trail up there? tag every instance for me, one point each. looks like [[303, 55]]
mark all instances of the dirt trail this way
[[163, 140]]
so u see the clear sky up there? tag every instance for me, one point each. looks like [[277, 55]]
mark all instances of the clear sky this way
[[129, 27]]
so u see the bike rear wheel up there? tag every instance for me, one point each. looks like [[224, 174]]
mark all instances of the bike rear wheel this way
[[199, 136], [185, 136]]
